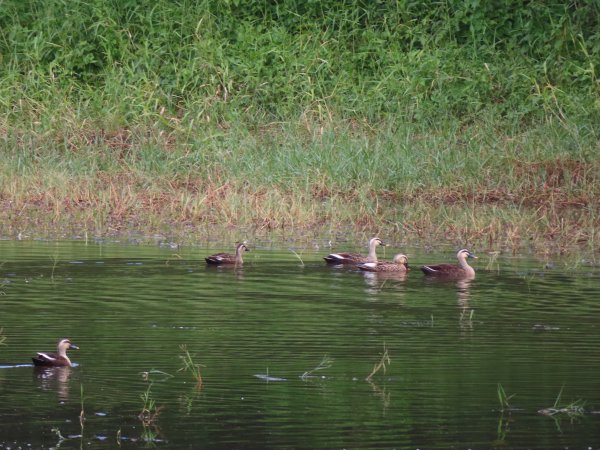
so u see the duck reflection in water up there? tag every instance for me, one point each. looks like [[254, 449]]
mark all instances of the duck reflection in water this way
[[466, 312], [463, 294], [54, 379], [377, 281]]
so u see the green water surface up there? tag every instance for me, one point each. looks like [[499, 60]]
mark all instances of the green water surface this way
[[255, 331]]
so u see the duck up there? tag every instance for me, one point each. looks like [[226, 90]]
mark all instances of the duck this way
[[460, 270], [58, 359], [228, 258], [398, 264], [356, 258]]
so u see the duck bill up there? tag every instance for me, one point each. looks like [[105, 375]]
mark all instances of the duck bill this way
[[73, 347]]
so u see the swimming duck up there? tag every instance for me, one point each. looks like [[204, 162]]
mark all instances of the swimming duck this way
[[460, 270], [59, 359], [228, 258], [355, 258], [398, 264]]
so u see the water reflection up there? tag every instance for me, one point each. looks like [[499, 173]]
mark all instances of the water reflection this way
[[54, 379], [463, 292], [376, 281], [276, 318], [237, 271], [382, 393]]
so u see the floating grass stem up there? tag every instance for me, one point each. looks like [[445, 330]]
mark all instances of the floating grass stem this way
[[298, 256], [325, 363], [82, 413], [382, 364]]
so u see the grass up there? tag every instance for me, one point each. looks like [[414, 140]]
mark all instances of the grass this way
[[297, 256], [82, 413], [150, 411], [418, 184], [571, 410], [325, 363], [382, 364], [504, 399], [192, 117], [189, 365]]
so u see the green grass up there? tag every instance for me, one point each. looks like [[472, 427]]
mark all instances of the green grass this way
[[426, 121], [443, 184], [189, 365], [504, 399]]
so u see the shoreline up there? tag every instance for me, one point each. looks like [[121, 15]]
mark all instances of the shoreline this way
[[487, 227]]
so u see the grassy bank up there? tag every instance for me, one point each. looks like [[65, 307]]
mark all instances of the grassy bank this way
[[538, 189], [428, 122]]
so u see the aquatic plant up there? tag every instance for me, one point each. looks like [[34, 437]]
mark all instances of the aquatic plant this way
[[82, 413], [503, 399], [59, 435], [297, 256], [573, 409], [150, 411], [382, 364], [492, 263], [55, 261], [325, 363], [190, 365]]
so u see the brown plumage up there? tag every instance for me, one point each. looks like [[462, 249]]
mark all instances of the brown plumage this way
[[398, 264], [460, 270], [58, 359], [228, 258], [355, 258]]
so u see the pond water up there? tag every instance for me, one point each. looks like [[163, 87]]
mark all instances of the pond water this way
[[530, 328]]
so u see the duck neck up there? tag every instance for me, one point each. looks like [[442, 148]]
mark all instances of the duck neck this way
[[238, 255], [373, 252], [62, 353], [462, 261]]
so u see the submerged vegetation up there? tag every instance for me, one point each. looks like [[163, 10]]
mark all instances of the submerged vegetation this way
[[461, 122]]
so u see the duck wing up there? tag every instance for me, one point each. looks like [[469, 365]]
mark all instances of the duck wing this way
[[45, 359], [344, 257], [441, 269], [220, 258]]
